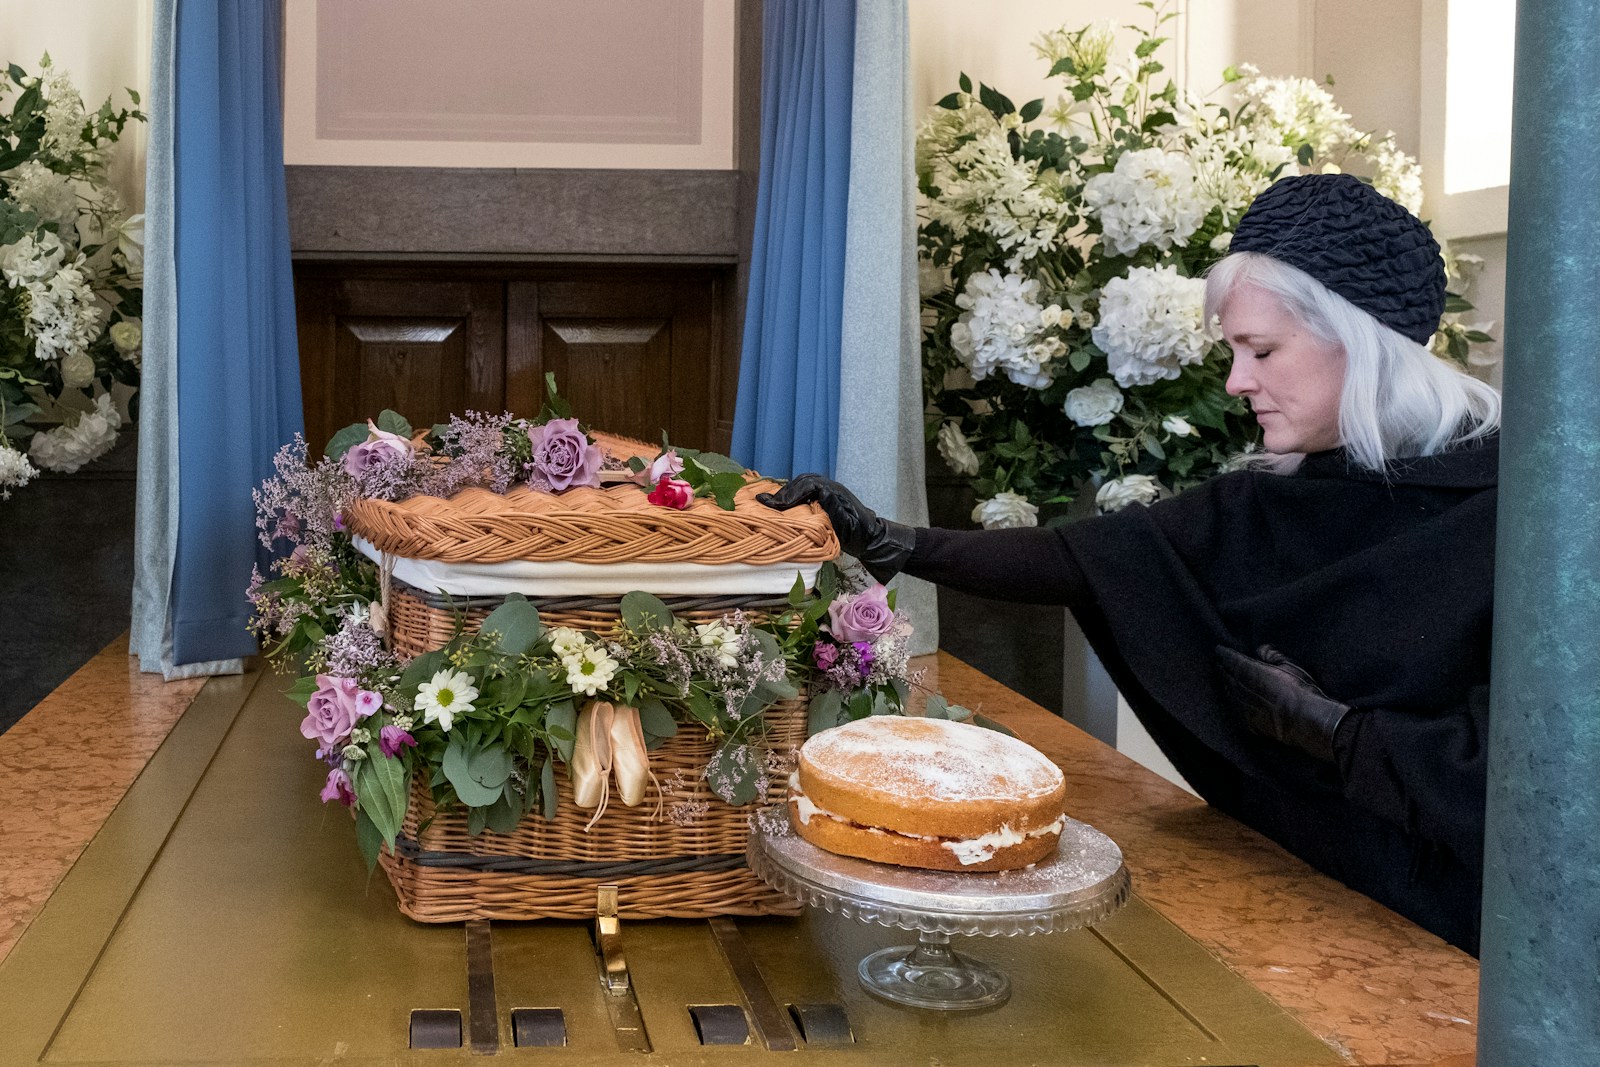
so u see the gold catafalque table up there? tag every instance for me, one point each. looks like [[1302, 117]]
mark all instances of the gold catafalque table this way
[[223, 916]]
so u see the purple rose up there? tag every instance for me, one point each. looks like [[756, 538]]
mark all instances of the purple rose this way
[[391, 739], [380, 446], [338, 788], [861, 617], [564, 455], [335, 708], [826, 654]]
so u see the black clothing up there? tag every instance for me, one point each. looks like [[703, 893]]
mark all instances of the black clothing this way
[[1379, 587]]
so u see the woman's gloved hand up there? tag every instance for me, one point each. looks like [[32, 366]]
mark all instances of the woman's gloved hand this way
[[1281, 701], [883, 547]]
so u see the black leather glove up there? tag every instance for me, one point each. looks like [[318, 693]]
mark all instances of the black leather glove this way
[[883, 547], [1280, 701]]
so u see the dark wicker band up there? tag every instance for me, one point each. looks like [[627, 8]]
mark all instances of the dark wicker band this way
[[463, 861]]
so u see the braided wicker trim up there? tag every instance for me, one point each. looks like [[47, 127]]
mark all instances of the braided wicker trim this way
[[610, 525], [466, 861], [608, 604]]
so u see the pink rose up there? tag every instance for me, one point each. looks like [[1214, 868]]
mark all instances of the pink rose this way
[[335, 708], [338, 788], [666, 465], [672, 493], [861, 617], [378, 447], [564, 455]]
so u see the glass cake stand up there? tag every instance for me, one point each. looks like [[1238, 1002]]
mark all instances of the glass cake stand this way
[[1082, 884]]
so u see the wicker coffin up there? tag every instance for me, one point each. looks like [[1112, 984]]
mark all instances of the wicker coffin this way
[[685, 860]]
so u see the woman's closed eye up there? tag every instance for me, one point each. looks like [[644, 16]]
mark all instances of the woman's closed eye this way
[[1264, 353]]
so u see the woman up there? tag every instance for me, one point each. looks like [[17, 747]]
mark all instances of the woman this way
[[1307, 639]]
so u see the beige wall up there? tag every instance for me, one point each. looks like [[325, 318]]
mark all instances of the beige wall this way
[[105, 46]]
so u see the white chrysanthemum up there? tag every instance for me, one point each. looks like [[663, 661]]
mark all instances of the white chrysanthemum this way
[[64, 116], [1149, 198], [964, 154], [1302, 112], [1152, 322], [444, 696], [1131, 489], [722, 641], [66, 448], [1094, 404], [957, 450], [15, 470], [589, 671], [1005, 510], [567, 641], [1397, 176], [1000, 329], [1089, 48], [42, 191]]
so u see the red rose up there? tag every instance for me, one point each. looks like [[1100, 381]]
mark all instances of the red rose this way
[[672, 493]]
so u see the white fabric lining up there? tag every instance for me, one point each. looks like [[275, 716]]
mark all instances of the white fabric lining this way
[[596, 579]]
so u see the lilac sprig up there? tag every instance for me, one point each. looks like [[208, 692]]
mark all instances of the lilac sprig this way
[[483, 450], [302, 504]]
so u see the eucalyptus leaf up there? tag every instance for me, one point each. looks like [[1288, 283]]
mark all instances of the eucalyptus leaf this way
[[989, 724], [504, 814], [393, 422], [824, 711], [644, 613], [477, 819], [421, 669], [517, 623], [457, 770], [732, 773], [345, 440], [489, 767], [302, 689], [655, 719]]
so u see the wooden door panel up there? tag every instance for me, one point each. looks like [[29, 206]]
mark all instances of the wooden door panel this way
[[617, 373], [414, 366]]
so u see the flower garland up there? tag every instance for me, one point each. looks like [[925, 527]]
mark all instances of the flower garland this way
[[488, 716], [71, 266], [1064, 347]]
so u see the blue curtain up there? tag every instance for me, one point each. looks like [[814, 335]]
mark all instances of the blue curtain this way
[[787, 418], [238, 373]]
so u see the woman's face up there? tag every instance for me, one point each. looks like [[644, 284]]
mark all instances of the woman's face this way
[[1291, 377]]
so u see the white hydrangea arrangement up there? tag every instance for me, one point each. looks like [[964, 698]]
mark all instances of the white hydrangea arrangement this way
[[71, 270], [1065, 347]]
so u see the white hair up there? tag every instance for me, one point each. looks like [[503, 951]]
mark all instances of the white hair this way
[[1399, 399]]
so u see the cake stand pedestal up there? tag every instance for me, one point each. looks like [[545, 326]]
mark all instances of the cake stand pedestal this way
[[1082, 884]]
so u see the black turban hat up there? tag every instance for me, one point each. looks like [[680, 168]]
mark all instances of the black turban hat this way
[[1354, 240]]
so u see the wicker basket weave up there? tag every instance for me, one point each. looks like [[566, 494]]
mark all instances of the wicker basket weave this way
[[687, 862], [662, 867]]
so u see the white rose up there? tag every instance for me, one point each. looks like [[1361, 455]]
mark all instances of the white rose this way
[[1130, 489], [1005, 510], [1050, 316], [77, 370], [1083, 320], [956, 450], [1177, 426], [127, 335], [1094, 404]]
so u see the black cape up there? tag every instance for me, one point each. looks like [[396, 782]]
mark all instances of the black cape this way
[[1379, 585]]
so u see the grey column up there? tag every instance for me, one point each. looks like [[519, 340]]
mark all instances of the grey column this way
[[1540, 996]]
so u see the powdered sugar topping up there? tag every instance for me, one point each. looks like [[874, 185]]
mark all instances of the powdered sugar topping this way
[[915, 758]]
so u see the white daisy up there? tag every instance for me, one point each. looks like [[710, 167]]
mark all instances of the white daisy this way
[[567, 641], [444, 696], [589, 671]]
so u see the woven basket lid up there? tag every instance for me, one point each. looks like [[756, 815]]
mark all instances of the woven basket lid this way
[[612, 524]]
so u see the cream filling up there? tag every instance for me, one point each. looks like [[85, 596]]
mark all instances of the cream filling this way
[[968, 850]]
